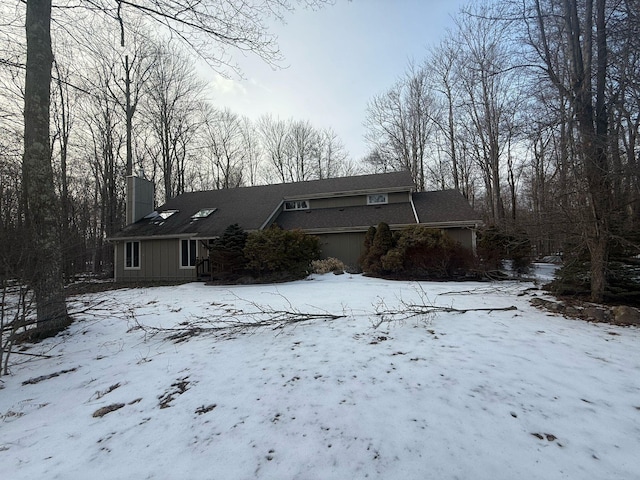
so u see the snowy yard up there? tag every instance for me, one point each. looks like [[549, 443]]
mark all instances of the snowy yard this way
[[476, 395]]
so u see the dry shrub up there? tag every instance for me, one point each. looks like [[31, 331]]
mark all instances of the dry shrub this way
[[328, 265]]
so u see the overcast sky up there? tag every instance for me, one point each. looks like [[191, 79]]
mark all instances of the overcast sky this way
[[337, 59]]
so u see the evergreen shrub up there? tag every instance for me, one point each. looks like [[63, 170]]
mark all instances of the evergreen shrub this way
[[381, 243], [415, 251], [427, 253], [227, 252], [277, 251]]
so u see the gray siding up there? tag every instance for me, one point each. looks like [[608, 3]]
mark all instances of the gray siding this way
[[344, 246], [354, 201], [349, 246], [159, 261], [465, 236]]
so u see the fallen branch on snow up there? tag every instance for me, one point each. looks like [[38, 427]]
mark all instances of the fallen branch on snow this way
[[432, 309], [233, 320], [425, 310]]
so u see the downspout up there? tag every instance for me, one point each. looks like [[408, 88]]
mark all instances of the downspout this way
[[413, 207], [474, 238], [115, 261]]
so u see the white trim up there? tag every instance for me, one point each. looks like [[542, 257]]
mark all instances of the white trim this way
[[413, 207], [274, 214], [115, 263], [170, 236], [187, 267], [133, 267], [297, 205]]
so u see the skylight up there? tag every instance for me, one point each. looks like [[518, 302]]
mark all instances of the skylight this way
[[167, 213], [158, 218], [203, 213]]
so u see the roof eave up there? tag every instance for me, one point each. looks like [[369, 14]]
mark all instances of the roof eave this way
[[351, 193], [167, 236], [398, 226], [453, 223]]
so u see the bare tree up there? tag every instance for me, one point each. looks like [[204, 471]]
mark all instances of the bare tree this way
[[40, 199], [252, 151], [491, 96], [274, 135], [172, 102], [104, 147], [623, 87], [377, 162], [225, 143], [303, 151], [332, 157], [228, 24], [582, 30], [64, 103], [130, 73], [399, 123], [443, 63]]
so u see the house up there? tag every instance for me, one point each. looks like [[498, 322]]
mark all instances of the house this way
[[170, 242]]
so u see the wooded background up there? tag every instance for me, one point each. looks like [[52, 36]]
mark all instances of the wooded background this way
[[530, 108]]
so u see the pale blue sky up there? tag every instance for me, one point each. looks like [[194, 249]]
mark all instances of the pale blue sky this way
[[338, 58]]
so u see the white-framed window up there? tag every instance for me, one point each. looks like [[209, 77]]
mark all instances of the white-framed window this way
[[132, 255], [296, 205], [188, 253], [377, 199]]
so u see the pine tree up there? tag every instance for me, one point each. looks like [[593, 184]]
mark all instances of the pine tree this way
[[382, 243]]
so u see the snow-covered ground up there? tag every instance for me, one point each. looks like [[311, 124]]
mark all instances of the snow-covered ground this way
[[477, 395]]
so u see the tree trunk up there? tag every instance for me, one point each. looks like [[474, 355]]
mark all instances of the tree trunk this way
[[44, 271], [63, 132], [452, 140], [593, 128], [129, 115], [599, 256]]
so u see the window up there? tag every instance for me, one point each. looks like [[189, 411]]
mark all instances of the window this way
[[187, 253], [296, 205], [377, 199], [203, 213], [132, 255]]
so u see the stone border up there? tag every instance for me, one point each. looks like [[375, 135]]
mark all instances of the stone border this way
[[591, 312]]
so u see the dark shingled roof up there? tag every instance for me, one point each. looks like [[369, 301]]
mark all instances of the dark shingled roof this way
[[348, 217], [447, 207], [251, 207], [444, 206]]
